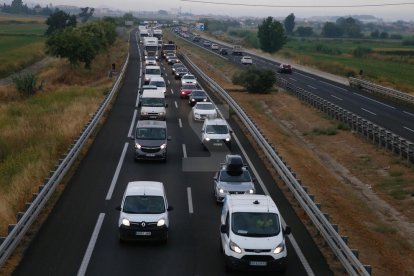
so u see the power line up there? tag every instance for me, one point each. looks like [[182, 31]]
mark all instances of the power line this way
[[299, 6]]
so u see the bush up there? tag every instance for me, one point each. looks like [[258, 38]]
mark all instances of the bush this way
[[408, 42], [255, 80], [321, 48], [26, 84], [361, 51]]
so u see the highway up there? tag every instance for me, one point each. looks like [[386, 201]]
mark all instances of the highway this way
[[394, 117], [80, 236]]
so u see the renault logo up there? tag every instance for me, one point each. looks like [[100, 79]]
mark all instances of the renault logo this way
[[143, 224]]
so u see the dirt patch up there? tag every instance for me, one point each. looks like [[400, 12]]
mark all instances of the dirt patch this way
[[366, 190]]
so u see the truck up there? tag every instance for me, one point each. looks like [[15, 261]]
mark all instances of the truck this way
[[169, 47], [151, 47], [143, 32], [237, 50]]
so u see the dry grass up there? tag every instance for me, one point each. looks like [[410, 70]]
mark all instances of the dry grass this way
[[352, 179], [35, 132]]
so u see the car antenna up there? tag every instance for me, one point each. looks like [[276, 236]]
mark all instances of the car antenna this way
[[256, 202]]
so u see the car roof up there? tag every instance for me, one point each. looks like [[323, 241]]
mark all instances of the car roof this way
[[152, 67], [151, 123], [148, 87], [157, 78], [188, 75], [247, 57], [204, 103], [216, 121], [149, 93], [145, 188], [251, 203]]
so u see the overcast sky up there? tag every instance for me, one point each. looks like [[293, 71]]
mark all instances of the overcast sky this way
[[405, 12]]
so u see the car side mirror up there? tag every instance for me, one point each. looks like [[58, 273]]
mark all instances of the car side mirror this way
[[202, 131], [169, 138], [139, 104], [132, 137], [166, 105], [287, 230], [161, 74], [118, 208], [170, 208], [231, 131], [215, 178], [223, 229]]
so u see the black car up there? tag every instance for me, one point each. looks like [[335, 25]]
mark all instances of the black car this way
[[175, 66], [223, 51], [179, 72], [172, 60], [285, 68], [197, 96]]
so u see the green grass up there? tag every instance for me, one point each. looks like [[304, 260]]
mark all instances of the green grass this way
[[23, 29]]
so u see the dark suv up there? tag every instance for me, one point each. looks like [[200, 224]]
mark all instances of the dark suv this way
[[151, 140]]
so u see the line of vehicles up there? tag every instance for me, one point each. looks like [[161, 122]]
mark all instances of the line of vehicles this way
[[251, 231]]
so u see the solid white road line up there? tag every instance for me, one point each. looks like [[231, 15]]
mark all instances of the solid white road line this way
[[180, 122], [370, 112], [330, 84], [295, 245], [131, 127], [184, 151], [172, 91], [91, 245], [408, 113], [412, 130], [176, 104], [118, 169], [292, 79], [333, 96], [190, 201], [374, 100], [312, 87]]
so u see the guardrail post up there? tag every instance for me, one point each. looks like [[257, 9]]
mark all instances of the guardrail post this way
[[355, 252], [368, 268], [10, 228], [19, 216]]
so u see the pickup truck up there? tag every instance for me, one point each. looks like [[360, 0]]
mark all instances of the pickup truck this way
[[237, 50]]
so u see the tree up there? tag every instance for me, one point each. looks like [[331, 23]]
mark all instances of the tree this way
[[58, 21], [255, 80], [375, 34], [271, 35], [350, 26], [85, 14], [304, 31], [289, 23], [383, 35], [331, 29]]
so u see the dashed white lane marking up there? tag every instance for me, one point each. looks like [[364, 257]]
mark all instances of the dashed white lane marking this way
[[190, 201], [378, 102], [91, 245], [180, 123], [370, 112], [172, 91], [293, 79], [310, 86], [330, 84], [131, 127], [409, 129], [333, 96], [184, 151], [408, 113], [305, 76], [118, 169], [176, 104]]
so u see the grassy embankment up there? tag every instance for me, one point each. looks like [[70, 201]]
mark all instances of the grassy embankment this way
[[36, 131], [21, 43]]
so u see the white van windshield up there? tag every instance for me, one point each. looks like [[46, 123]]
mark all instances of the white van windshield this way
[[140, 204], [255, 224], [150, 133]]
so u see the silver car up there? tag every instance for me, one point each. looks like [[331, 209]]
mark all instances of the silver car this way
[[233, 178], [151, 140]]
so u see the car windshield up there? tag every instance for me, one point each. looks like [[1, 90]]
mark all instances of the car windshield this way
[[153, 71], [157, 102], [205, 107], [141, 204], [235, 176], [181, 69], [189, 77], [255, 224], [189, 87], [148, 133], [158, 83], [198, 93], [217, 129]]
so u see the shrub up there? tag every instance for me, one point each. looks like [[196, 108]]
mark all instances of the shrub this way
[[408, 41], [26, 84], [361, 51], [321, 48], [255, 80]]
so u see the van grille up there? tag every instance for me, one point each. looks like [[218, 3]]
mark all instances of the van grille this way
[[150, 149], [258, 250]]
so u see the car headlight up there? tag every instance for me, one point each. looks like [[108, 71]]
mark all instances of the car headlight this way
[[207, 139], [227, 139], [137, 146], [251, 191], [196, 115], [204, 100], [279, 248], [163, 146], [234, 247], [161, 222], [161, 113], [126, 222], [144, 113], [193, 100], [221, 191], [147, 79]]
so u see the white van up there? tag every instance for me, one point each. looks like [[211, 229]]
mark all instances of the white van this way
[[252, 237], [159, 82], [150, 72], [152, 103], [144, 212]]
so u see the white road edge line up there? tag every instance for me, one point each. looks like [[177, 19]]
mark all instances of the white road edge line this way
[[408, 113], [412, 130], [118, 169], [295, 245], [180, 123], [330, 84], [370, 112], [91, 246], [176, 104], [333, 96], [132, 123], [312, 87], [374, 101], [184, 151], [190, 201]]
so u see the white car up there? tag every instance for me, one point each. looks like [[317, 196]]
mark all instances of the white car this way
[[215, 133], [150, 72], [251, 232], [159, 83], [247, 60], [214, 46], [203, 110], [150, 61], [144, 212], [188, 79]]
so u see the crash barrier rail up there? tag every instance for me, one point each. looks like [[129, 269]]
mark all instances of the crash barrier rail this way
[[373, 133], [25, 219], [383, 91], [329, 231]]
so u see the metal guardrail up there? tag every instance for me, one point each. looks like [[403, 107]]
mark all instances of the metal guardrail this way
[[374, 133], [378, 89], [337, 243], [25, 220]]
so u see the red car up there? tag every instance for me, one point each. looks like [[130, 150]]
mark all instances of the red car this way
[[186, 90]]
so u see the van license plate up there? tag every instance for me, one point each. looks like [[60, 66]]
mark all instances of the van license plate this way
[[139, 233], [217, 144], [150, 154], [256, 263]]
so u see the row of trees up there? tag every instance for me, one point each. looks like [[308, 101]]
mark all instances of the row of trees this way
[[17, 7]]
